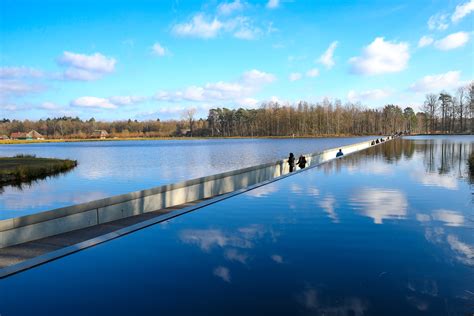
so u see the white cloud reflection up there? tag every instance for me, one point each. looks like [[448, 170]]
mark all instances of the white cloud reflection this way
[[263, 191], [464, 251], [277, 258], [380, 204], [450, 218], [236, 255], [223, 273], [207, 239], [436, 180], [327, 204], [311, 299]]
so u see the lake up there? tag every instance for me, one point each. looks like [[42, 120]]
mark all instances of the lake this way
[[386, 231], [110, 168]]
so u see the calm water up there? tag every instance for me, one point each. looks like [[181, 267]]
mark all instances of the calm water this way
[[111, 168], [389, 231]]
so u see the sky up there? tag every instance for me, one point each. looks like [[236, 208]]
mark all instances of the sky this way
[[147, 59]]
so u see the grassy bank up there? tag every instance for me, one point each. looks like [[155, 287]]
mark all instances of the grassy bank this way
[[25, 168]]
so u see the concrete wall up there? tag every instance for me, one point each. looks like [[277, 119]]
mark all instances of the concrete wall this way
[[36, 226]]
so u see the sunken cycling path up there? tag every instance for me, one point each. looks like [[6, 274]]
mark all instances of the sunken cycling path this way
[[32, 240]]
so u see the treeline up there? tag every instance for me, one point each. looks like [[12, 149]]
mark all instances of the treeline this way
[[450, 113], [441, 113]]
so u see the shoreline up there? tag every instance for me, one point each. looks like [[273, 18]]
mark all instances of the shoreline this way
[[79, 140]]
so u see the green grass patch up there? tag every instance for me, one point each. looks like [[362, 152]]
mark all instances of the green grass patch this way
[[27, 168]]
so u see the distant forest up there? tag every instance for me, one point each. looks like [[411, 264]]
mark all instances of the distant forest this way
[[440, 113]]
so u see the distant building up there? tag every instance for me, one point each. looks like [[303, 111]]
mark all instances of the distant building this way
[[18, 135], [3, 137], [100, 133], [35, 135], [29, 136]]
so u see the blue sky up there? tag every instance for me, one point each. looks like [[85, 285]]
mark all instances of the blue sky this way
[[155, 59]]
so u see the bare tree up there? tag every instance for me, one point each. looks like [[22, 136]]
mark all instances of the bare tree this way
[[189, 116], [471, 106], [430, 107], [446, 102], [462, 99]]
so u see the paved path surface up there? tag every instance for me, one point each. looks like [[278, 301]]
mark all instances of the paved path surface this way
[[19, 253]]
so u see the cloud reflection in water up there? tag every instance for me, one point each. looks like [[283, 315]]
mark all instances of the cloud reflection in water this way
[[380, 204]]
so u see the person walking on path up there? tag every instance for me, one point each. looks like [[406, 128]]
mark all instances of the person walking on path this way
[[291, 162], [339, 153], [301, 162]]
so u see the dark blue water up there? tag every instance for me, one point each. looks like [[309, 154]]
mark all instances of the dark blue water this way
[[117, 167], [388, 231]]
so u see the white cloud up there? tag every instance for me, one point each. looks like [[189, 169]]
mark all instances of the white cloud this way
[[247, 33], [20, 72], [376, 94], [425, 41], [93, 102], [381, 57], [202, 27], [314, 72], [126, 100], [437, 82], [80, 74], [106, 103], [86, 67], [248, 102], [227, 8], [295, 76], [240, 90], [258, 77], [174, 111], [273, 4], [9, 107], [438, 22], [158, 50], [452, 41], [327, 58], [49, 106], [15, 87], [275, 99], [242, 28], [462, 10], [95, 62], [199, 27]]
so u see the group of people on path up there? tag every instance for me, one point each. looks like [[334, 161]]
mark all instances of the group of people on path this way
[[302, 160]]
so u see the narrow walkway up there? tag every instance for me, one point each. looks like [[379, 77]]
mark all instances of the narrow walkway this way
[[24, 256], [19, 253]]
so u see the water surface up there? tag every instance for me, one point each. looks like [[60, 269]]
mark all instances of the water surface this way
[[387, 231], [115, 167]]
